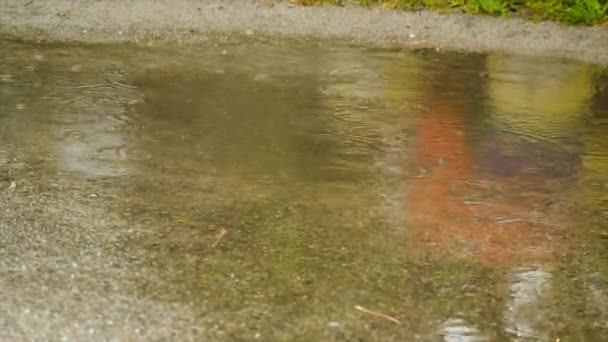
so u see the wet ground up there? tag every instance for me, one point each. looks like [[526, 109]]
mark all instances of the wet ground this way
[[194, 21], [301, 191]]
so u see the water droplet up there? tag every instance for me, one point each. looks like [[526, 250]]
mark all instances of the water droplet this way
[[333, 324]]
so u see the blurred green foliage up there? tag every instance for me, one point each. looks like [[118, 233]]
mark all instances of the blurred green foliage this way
[[585, 12]]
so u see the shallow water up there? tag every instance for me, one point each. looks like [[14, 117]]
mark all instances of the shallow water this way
[[291, 191]]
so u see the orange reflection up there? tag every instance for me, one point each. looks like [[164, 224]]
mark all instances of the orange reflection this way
[[450, 210]]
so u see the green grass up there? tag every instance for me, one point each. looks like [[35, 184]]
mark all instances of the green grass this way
[[585, 12]]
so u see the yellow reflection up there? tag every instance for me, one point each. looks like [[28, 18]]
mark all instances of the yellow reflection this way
[[541, 98], [403, 83]]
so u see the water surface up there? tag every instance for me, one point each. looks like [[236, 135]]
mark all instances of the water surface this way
[[273, 190]]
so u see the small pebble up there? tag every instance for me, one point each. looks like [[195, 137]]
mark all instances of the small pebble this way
[[412, 36], [249, 33], [224, 52], [333, 324]]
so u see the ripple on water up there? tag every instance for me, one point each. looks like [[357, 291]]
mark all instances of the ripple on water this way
[[340, 176]]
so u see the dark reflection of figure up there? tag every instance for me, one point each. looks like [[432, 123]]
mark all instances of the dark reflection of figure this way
[[489, 196], [458, 199], [594, 178], [599, 102], [547, 126], [436, 214]]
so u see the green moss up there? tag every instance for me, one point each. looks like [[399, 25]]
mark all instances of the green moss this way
[[498, 7], [586, 12]]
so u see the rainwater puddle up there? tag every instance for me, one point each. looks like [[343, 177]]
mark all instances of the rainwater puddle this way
[[307, 192]]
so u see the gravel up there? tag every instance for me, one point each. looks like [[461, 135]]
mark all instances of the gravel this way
[[191, 21]]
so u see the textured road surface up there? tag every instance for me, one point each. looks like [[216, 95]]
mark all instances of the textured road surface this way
[[192, 20]]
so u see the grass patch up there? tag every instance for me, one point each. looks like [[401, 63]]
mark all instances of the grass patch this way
[[585, 12]]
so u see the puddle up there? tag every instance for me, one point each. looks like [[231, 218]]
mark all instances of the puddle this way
[[262, 191]]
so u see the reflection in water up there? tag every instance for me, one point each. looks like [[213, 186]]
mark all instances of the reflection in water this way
[[260, 199], [547, 100], [81, 111], [593, 181], [486, 194], [93, 124], [497, 192], [524, 315], [457, 330]]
